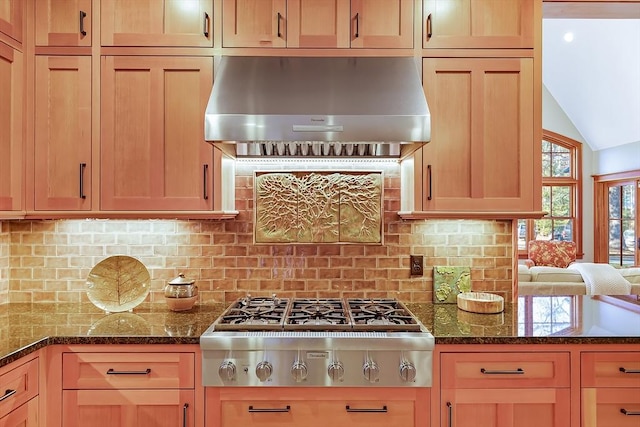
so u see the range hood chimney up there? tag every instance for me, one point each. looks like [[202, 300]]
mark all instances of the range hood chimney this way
[[377, 101]]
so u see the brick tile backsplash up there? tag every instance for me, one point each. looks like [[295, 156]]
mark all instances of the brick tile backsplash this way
[[50, 260]]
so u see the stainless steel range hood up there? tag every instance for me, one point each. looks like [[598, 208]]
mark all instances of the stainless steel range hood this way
[[377, 102]]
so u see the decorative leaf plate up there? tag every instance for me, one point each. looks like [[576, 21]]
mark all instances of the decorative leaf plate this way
[[118, 283]]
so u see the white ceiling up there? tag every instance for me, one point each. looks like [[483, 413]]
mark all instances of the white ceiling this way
[[595, 78]]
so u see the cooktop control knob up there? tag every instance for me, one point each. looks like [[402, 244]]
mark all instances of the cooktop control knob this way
[[299, 371], [371, 371], [407, 372], [336, 371], [227, 371], [263, 371]]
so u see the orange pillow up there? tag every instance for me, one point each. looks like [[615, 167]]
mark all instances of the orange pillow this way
[[552, 253]]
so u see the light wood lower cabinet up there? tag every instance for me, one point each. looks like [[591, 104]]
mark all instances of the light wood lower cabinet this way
[[128, 388], [126, 408], [505, 389], [317, 407], [547, 407], [19, 393], [610, 389], [26, 415]]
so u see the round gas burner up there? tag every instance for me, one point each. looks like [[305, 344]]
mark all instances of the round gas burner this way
[[317, 309]]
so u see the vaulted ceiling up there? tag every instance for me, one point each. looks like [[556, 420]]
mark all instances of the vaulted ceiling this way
[[595, 77]]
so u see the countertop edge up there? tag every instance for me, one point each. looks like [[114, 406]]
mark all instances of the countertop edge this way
[[150, 340]]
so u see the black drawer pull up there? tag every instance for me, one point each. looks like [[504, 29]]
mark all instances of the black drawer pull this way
[[114, 372], [285, 409], [83, 15], [7, 394], [629, 371], [205, 25], [518, 371], [378, 410], [625, 412]]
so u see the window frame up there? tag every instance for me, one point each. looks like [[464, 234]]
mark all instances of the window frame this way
[[574, 182], [601, 186]]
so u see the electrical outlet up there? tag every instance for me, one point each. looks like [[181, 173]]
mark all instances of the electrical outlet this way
[[415, 263]]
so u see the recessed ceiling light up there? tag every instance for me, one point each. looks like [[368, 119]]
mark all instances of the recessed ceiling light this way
[[568, 37]]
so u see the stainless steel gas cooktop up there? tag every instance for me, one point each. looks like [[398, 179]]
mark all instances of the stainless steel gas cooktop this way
[[317, 342]]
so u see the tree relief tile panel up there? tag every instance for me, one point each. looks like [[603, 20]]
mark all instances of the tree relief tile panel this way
[[318, 207]]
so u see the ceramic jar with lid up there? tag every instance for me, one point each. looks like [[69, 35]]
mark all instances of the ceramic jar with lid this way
[[181, 293]]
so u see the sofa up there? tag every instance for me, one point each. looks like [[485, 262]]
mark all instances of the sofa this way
[[545, 280], [551, 269]]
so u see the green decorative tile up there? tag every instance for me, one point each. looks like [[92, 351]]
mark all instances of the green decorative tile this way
[[448, 282]]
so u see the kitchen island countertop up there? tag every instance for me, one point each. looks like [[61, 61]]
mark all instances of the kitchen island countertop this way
[[26, 327]]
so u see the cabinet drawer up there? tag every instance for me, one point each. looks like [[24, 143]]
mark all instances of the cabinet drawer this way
[[18, 386], [505, 370], [127, 370], [317, 413], [619, 407], [604, 369]]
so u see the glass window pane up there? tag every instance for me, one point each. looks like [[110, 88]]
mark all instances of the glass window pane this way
[[543, 229], [546, 198], [522, 234], [546, 146], [560, 201], [628, 201], [546, 165], [556, 148], [561, 165], [614, 202]]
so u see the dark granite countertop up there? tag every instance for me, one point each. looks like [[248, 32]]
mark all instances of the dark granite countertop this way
[[534, 320]]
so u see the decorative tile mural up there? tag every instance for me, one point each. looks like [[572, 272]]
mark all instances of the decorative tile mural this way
[[448, 282], [318, 207]]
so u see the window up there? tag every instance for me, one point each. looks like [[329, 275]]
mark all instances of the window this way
[[561, 189], [617, 218]]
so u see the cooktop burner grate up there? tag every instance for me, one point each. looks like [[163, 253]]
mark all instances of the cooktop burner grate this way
[[317, 314]]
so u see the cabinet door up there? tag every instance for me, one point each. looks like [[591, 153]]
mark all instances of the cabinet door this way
[[63, 133], [480, 157], [153, 153], [548, 407], [603, 407], [63, 23], [318, 23], [156, 23], [126, 408], [478, 23], [382, 24], [11, 158], [12, 18], [250, 23], [25, 415]]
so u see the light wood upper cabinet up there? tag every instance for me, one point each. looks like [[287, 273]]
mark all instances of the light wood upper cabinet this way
[[481, 153], [63, 23], [478, 24], [12, 18], [183, 23], [249, 23], [62, 172], [382, 24], [11, 139], [153, 153], [318, 23]]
